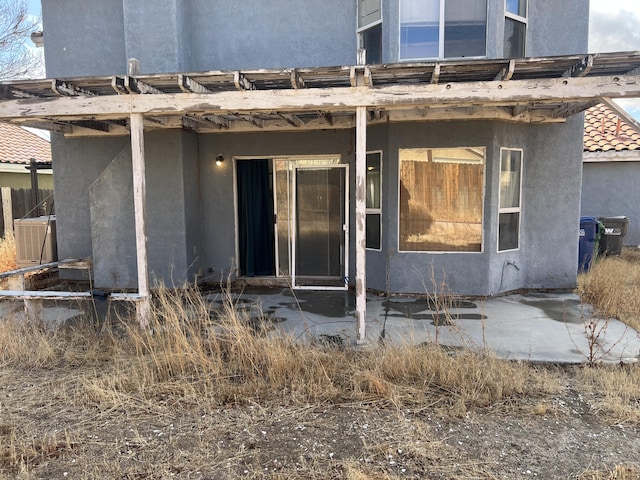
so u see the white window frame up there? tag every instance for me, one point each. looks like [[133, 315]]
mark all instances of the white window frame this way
[[520, 19], [517, 209], [364, 28], [482, 214], [376, 211], [440, 37]]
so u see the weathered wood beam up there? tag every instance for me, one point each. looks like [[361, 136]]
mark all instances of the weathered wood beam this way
[[337, 99], [296, 80], [376, 114], [327, 117], [507, 72], [12, 92], [435, 75], [581, 68], [518, 110], [93, 125], [46, 124], [486, 113], [133, 85], [118, 85], [241, 82], [571, 109], [360, 75], [361, 215], [253, 120], [68, 89], [208, 121], [189, 85], [140, 214], [291, 120]]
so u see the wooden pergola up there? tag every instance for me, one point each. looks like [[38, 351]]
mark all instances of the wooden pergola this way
[[532, 90]]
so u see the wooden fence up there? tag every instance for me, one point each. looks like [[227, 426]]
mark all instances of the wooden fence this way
[[18, 203]]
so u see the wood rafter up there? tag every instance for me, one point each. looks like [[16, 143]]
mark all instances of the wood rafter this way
[[296, 80], [189, 85], [581, 68], [68, 89], [8, 92], [507, 72], [568, 90], [435, 75], [242, 82], [291, 120], [134, 85]]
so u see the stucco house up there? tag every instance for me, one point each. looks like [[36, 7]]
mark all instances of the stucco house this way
[[17, 147], [373, 144], [611, 167]]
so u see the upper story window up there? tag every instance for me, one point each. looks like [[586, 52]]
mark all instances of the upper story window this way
[[442, 28], [370, 29], [515, 28]]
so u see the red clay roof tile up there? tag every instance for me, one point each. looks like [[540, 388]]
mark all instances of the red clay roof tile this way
[[18, 145], [604, 131]]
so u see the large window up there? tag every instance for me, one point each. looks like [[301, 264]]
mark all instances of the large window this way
[[510, 199], [441, 199], [370, 29], [374, 201], [442, 28], [515, 28]]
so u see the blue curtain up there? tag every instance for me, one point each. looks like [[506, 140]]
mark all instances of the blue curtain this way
[[255, 218]]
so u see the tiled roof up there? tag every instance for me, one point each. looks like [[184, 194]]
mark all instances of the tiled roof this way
[[605, 130], [18, 145]]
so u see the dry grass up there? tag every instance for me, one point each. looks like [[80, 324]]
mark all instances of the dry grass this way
[[211, 373], [7, 253], [612, 286], [616, 390], [229, 358], [226, 357]]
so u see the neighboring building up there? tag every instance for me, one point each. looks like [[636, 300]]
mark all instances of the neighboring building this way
[[17, 147], [611, 168], [448, 155]]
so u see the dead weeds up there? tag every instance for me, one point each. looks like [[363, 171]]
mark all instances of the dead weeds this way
[[203, 394]]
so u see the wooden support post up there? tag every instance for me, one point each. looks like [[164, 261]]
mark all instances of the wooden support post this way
[[361, 243], [35, 200], [140, 209], [7, 210], [33, 309]]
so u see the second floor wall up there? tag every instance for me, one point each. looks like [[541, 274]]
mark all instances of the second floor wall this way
[[96, 37]]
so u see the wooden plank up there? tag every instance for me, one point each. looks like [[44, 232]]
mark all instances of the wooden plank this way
[[189, 85], [69, 263], [360, 211], [7, 211], [42, 295], [140, 211], [329, 99]]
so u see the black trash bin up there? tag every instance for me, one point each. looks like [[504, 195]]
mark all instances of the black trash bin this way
[[615, 228], [591, 230]]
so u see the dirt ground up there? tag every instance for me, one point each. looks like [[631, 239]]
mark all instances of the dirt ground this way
[[50, 428]]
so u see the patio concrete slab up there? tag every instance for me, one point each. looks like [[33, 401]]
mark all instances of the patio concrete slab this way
[[541, 327]]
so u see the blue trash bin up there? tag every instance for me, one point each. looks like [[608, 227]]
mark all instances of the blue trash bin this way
[[590, 231]]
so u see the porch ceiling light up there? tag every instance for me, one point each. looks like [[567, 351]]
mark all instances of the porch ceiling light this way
[[219, 159]]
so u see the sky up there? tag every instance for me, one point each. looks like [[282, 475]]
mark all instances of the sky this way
[[614, 25]]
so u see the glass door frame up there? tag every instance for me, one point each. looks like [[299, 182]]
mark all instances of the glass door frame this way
[[345, 227]]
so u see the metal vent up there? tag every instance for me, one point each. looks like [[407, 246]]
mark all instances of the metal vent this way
[[35, 241]]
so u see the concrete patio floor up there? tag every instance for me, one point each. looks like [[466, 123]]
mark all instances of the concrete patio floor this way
[[541, 327]]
